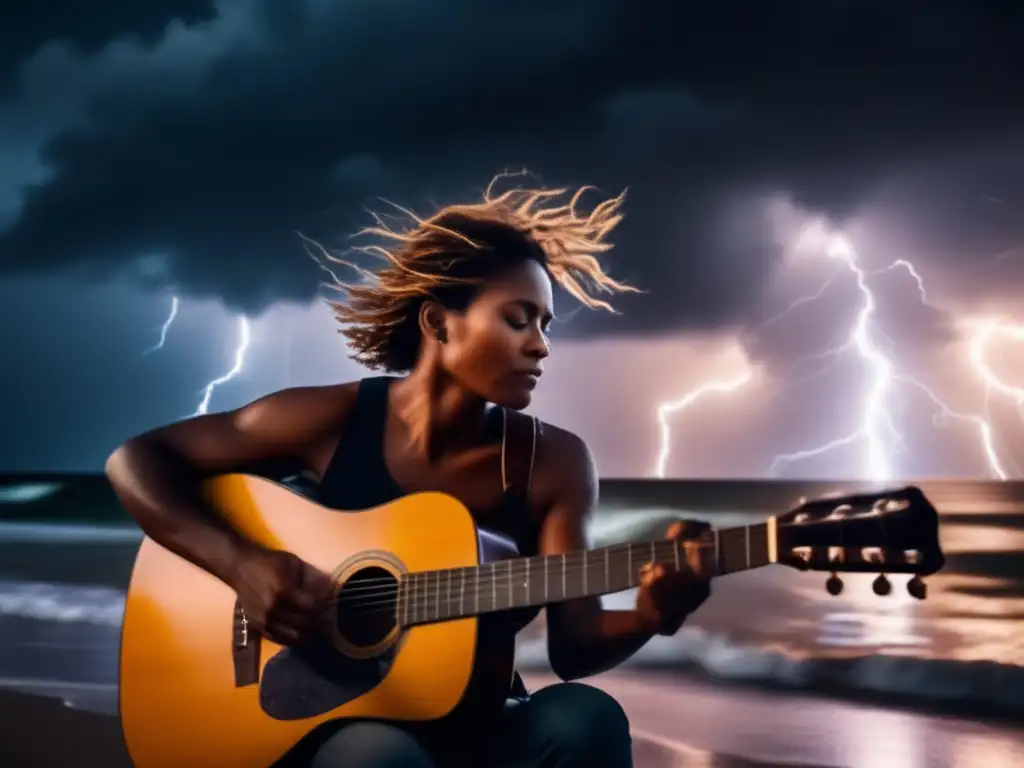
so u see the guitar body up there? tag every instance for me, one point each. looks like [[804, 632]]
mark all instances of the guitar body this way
[[185, 698]]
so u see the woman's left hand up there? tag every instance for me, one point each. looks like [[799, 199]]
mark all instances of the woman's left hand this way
[[666, 596]]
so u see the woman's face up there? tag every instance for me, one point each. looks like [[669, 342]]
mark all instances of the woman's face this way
[[495, 347]]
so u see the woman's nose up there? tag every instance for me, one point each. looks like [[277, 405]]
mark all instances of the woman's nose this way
[[538, 347]]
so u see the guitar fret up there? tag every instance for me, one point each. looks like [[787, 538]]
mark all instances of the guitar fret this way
[[414, 601], [565, 592], [462, 594], [424, 589], [494, 585], [526, 581], [607, 573], [585, 571], [746, 537], [546, 570], [511, 597], [718, 556], [421, 596]]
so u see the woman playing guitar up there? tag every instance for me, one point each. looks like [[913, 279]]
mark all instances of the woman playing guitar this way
[[460, 312]]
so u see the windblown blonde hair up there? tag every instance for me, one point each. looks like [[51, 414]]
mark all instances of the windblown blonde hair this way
[[462, 247]]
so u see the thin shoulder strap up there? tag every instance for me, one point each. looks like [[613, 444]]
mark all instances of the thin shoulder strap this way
[[518, 452]]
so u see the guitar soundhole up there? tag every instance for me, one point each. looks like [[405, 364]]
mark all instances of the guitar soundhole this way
[[366, 609]]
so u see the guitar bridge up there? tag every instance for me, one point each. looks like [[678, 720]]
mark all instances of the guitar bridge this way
[[245, 649], [241, 629]]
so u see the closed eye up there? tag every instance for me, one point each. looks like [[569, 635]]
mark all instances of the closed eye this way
[[516, 323], [525, 312]]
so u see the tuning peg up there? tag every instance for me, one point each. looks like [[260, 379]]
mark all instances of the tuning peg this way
[[881, 585], [834, 585], [917, 588]]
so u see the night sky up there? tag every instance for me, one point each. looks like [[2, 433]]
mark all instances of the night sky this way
[[160, 149]]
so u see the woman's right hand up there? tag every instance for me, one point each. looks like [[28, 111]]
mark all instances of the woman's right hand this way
[[284, 597]]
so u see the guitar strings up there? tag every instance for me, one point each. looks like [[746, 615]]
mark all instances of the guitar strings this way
[[572, 562], [418, 597], [419, 603], [576, 559]]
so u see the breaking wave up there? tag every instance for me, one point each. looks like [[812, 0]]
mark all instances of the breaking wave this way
[[26, 493], [984, 685], [62, 603], [49, 533]]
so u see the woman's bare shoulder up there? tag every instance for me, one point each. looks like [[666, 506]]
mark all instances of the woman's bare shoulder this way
[[564, 468], [309, 404]]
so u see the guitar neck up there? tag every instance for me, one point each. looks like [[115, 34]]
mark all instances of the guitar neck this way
[[430, 596]]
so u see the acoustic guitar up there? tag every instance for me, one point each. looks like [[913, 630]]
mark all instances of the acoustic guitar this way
[[420, 631]]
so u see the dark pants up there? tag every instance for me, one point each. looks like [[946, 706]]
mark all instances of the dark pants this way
[[567, 725]]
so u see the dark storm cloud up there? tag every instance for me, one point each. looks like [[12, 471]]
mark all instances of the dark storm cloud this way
[[27, 26], [211, 147]]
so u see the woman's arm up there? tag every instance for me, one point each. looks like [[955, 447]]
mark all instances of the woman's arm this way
[[157, 475], [584, 638]]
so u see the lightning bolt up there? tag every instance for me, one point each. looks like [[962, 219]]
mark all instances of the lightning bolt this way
[[983, 337], [876, 422], [876, 428], [874, 407], [244, 337], [239, 365], [946, 413], [165, 328], [903, 263], [667, 409], [978, 346]]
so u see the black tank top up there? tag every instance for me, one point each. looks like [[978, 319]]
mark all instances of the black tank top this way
[[357, 477]]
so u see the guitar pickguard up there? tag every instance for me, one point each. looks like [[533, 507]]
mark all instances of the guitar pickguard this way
[[300, 684]]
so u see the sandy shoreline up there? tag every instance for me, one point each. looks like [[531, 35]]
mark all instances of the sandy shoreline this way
[[43, 731]]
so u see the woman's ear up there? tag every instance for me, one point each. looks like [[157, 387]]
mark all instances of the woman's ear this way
[[432, 321]]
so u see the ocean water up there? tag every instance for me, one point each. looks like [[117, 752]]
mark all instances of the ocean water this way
[[66, 550]]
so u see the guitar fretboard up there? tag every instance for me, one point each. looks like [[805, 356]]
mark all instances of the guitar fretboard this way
[[431, 596]]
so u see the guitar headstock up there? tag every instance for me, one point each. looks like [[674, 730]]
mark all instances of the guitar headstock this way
[[893, 531]]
